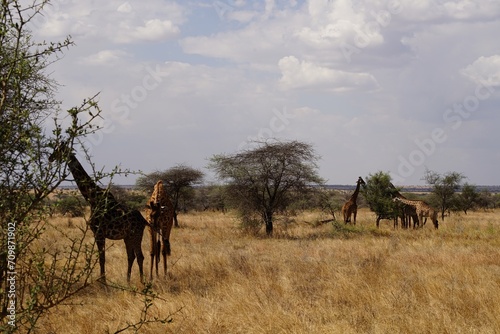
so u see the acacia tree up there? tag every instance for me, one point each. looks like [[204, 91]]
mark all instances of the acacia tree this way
[[444, 188], [269, 177], [468, 199], [379, 192], [33, 279], [178, 180]]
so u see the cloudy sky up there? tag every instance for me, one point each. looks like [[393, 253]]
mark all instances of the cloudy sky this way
[[396, 86]]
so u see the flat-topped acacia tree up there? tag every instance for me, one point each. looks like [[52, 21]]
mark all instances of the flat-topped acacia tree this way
[[268, 177], [178, 182]]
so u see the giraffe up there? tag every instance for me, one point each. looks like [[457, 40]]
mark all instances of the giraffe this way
[[108, 218], [161, 218], [408, 212], [350, 207], [422, 209]]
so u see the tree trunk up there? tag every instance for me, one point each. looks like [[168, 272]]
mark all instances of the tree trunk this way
[[268, 219]]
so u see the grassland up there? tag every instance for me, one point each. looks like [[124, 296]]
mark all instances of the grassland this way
[[306, 279]]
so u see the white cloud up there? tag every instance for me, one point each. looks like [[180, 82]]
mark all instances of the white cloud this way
[[331, 23], [449, 10], [316, 30], [105, 57], [306, 75], [257, 44], [152, 30], [117, 21], [243, 16], [484, 71], [400, 81], [125, 8]]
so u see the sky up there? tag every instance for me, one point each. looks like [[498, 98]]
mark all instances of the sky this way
[[398, 86]]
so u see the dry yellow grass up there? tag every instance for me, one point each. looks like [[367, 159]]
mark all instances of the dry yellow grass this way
[[306, 280]]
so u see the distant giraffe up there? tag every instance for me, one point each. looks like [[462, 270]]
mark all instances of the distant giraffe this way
[[161, 218], [351, 207], [423, 210], [108, 218], [408, 212]]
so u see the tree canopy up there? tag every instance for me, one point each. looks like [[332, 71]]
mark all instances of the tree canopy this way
[[267, 178], [27, 105], [444, 187], [379, 192], [468, 199], [178, 181]]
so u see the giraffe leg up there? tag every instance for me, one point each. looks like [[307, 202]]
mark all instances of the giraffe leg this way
[[130, 257], [167, 246], [345, 214], [134, 251], [140, 259], [354, 213], [137, 250], [157, 254], [153, 252], [165, 251], [101, 246]]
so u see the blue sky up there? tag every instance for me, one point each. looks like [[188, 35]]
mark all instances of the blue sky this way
[[397, 86]]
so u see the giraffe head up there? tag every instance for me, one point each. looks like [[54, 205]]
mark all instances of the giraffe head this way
[[61, 151], [155, 211], [361, 181]]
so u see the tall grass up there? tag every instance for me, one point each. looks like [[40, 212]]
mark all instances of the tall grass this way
[[308, 278]]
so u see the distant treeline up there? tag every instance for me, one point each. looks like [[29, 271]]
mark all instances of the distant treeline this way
[[343, 187], [415, 189]]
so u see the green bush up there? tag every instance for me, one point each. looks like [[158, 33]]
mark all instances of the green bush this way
[[70, 205]]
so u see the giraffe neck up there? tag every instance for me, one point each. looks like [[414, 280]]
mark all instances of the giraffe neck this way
[[354, 196], [399, 195], [396, 193], [158, 192], [406, 201], [87, 186], [160, 195]]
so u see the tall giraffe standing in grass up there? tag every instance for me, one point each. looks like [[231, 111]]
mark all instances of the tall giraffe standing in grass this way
[[351, 207], [422, 209], [161, 218], [109, 219]]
